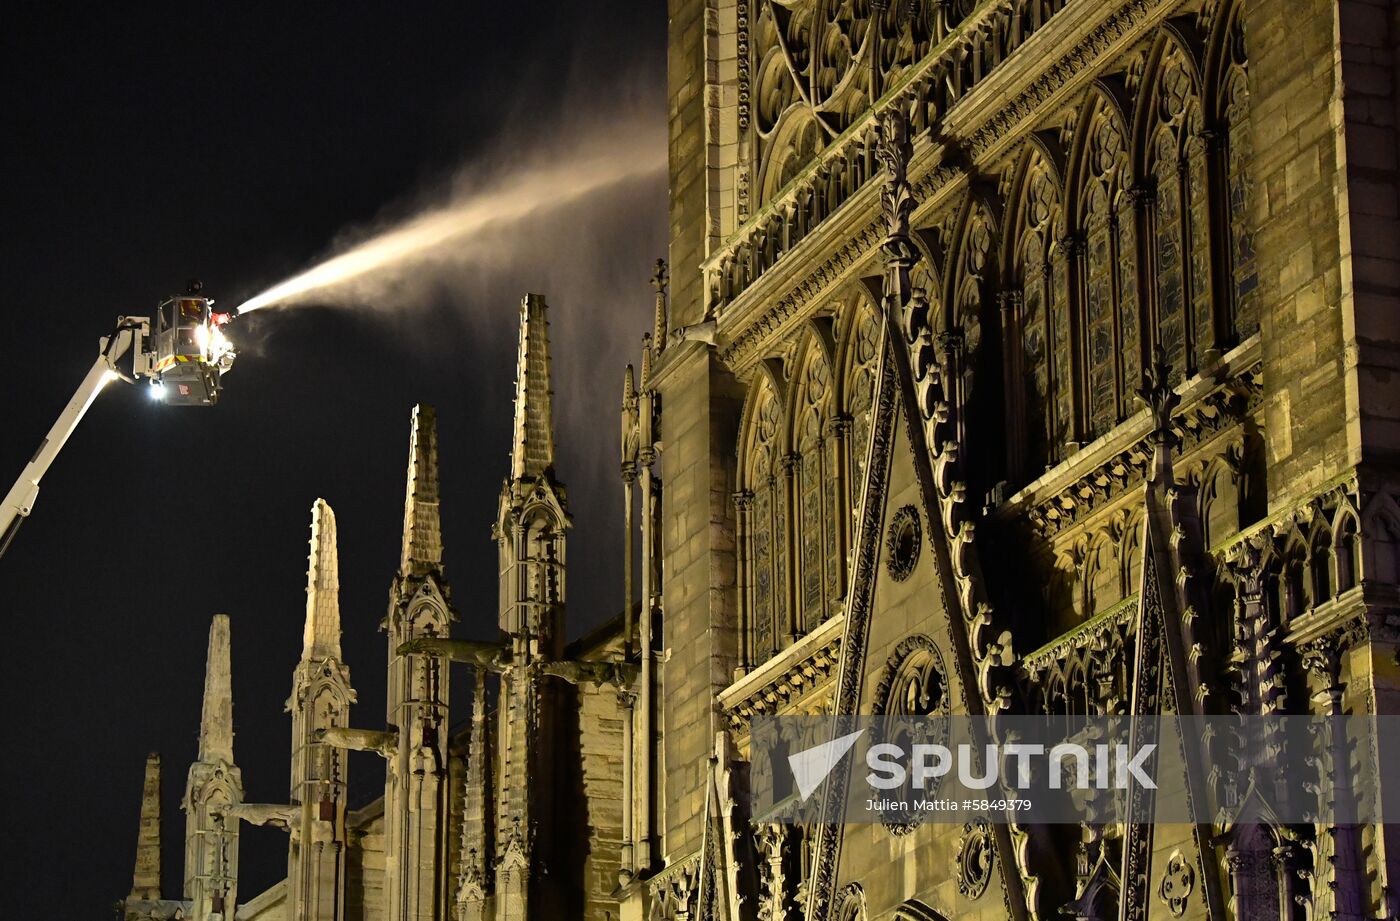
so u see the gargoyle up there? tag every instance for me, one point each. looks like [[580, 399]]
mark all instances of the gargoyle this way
[[618, 673], [261, 814], [384, 744], [695, 332], [490, 656]]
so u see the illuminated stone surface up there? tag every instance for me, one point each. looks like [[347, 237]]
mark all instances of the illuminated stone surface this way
[[1082, 183]]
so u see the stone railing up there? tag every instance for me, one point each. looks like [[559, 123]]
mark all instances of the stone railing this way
[[790, 676], [1106, 631], [675, 889], [1104, 470], [968, 50]]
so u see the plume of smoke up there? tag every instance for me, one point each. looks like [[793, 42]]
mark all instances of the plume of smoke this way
[[576, 212], [469, 227]]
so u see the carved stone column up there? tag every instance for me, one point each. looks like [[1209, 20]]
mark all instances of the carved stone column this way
[[787, 495], [1339, 868], [772, 880], [1069, 256], [626, 870], [646, 457], [629, 479], [743, 506], [841, 436]]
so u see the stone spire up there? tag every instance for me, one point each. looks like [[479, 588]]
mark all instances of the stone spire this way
[[145, 881], [659, 280], [532, 516], [532, 449], [320, 701], [646, 361], [629, 426], [216, 722], [417, 808], [214, 786], [321, 638], [422, 525]]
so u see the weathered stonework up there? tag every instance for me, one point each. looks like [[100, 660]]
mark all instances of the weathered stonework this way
[[1013, 348]]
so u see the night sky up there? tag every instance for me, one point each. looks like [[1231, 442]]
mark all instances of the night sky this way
[[236, 143]]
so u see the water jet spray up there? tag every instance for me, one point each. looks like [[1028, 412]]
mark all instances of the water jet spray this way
[[526, 192]]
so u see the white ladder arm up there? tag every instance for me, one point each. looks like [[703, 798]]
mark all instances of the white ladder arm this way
[[19, 501]]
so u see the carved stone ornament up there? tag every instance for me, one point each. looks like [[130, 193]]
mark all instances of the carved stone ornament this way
[[1178, 882], [850, 903], [903, 542], [976, 856], [914, 683]]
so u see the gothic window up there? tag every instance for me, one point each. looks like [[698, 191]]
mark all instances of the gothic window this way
[[839, 84], [1252, 856], [919, 688], [1286, 584], [816, 68], [1111, 348], [903, 541], [1177, 164], [1043, 370], [833, 522], [1244, 280], [914, 683], [1348, 551], [818, 507], [1380, 524], [799, 147], [765, 523], [1320, 566], [784, 145], [976, 377], [1131, 557]]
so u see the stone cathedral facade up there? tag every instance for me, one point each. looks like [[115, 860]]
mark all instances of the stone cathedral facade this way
[[1016, 356]]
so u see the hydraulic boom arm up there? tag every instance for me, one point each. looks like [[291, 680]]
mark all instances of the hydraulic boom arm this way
[[183, 358], [20, 499]]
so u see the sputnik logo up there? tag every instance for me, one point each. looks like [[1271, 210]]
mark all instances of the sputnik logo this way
[[810, 766]]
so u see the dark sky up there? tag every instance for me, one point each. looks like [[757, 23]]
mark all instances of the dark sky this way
[[142, 146]]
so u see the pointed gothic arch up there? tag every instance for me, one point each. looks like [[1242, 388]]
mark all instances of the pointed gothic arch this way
[[1130, 560], [1218, 500], [1104, 214], [1321, 579], [765, 609], [1101, 575], [858, 358], [915, 910], [1173, 151], [1346, 548], [1380, 527], [1037, 340], [1227, 96], [972, 356], [849, 903], [817, 464]]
